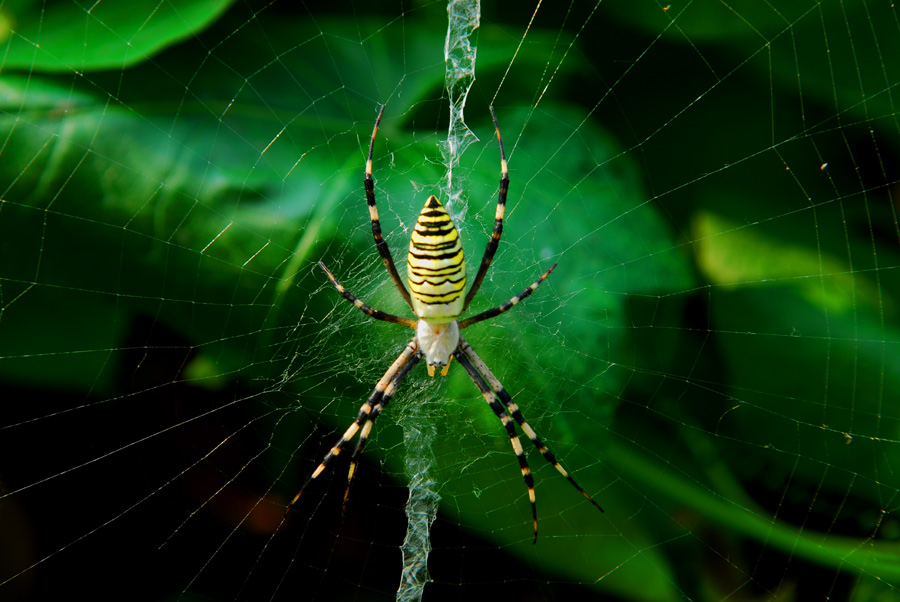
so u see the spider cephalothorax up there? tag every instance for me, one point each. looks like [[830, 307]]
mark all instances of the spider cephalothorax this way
[[436, 274]]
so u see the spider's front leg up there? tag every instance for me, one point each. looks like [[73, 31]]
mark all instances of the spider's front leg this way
[[498, 409], [494, 393], [369, 411], [376, 410]]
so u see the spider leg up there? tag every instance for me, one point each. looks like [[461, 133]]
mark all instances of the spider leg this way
[[372, 313], [494, 402], [494, 242], [376, 410], [389, 381], [496, 311], [380, 244], [516, 413]]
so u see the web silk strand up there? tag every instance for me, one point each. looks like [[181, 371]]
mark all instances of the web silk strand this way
[[419, 428]]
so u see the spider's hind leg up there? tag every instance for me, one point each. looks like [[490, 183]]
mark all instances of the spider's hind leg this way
[[380, 244], [497, 232]]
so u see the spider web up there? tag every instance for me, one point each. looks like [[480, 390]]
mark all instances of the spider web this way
[[715, 359]]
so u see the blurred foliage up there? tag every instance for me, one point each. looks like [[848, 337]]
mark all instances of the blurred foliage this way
[[716, 355]]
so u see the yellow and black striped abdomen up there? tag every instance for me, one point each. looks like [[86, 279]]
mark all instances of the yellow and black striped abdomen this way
[[435, 266]]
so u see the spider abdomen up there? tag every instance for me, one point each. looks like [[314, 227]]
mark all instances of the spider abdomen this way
[[435, 265]]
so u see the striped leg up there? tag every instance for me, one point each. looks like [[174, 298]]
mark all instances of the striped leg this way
[[506, 306], [516, 413], [380, 244], [376, 410], [373, 313], [494, 242], [389, 381], [495, 404]]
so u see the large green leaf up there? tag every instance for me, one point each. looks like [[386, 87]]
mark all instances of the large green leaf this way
[[65, 37], [745, 401], [208, 211]]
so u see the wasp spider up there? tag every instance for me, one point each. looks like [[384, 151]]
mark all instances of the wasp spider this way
[[436, 273]]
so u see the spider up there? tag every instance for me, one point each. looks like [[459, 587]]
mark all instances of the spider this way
[[436, 273]]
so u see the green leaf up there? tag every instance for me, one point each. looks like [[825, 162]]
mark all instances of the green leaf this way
[[206, 212], [67, 37]]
